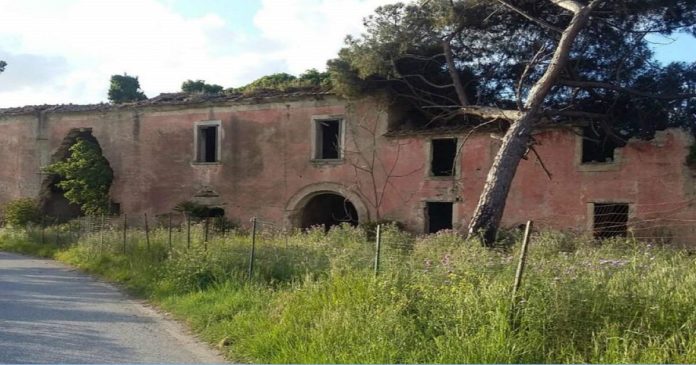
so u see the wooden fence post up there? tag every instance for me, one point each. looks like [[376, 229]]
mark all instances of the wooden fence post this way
[[101, 233], [125, 228], [188, 231], [205, 236], [378, 247], [253, 247], [43, 229], [147, 232], [518, 274], [169, 228]]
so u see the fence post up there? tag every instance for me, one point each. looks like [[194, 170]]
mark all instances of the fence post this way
[[205, 236], [101, 233], [57, 231], [125, 228], [188, 231], [43, 229], [378, 247], [518, 274], [285, 235], [169, 228], [253, 247], [147, 232]]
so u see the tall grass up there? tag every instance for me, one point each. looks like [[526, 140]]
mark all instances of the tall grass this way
[[314, 297]]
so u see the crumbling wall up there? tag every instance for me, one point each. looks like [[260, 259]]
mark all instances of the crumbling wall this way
[[266, 166]]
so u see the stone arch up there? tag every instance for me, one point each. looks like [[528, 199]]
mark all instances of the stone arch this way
[[52, 201], [298, 202]]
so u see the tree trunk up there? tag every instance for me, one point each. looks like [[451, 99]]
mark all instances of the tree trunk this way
[[489, 211]]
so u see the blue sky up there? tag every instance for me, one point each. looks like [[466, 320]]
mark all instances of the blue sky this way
[[64, 51]]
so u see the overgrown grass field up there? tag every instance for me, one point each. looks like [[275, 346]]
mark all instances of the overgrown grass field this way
[[314, 296]]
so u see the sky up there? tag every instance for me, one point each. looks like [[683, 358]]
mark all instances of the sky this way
[[64, 51]]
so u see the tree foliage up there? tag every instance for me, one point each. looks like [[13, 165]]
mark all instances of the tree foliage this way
[[527, 63], [3, 64], [85, 177], [125, 89], [500, 52], [199, 86], [284, 82]]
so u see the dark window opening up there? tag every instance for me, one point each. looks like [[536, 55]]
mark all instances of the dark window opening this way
[[597, 146], [438, 216], [610, 220], [328, 210], [443, 156], [207, 143], [328, 139], [216, 212]]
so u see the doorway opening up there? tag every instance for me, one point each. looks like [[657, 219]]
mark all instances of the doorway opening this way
[[328, 210]]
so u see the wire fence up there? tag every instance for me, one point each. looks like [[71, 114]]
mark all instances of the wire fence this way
[[261, 246], [264, 248]]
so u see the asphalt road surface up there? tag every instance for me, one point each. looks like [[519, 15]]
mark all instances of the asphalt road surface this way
[[49, 313]]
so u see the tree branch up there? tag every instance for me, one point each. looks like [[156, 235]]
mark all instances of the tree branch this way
[[429, 83], [541, 162], [610, 86], [454, 74], [541, 22], [570, 5], [489, 112]]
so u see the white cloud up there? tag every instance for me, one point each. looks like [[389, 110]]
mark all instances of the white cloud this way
[[309, 32], [90, 40]]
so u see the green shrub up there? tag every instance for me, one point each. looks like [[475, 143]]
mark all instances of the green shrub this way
[[85, 176], [21, 212]]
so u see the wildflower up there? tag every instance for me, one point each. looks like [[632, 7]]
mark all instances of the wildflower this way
[[613, 262], [446, 260]]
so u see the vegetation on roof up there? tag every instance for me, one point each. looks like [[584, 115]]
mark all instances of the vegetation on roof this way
[[200, 86], [284, 82]]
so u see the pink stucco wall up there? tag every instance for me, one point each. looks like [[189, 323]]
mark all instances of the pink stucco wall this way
[[266, 168]]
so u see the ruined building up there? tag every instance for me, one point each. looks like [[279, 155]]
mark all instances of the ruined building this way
[[312, 158]]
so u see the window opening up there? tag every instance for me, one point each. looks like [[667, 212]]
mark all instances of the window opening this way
[[439, 216], [328, 133], [207, 143], [610, 220], [442, 156], [597, 146]]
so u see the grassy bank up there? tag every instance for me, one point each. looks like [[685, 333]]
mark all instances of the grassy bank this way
[[314, 297]]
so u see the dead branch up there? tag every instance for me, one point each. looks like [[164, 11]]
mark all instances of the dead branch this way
[[489, 112], [454, 74], [541, 22], [541, 162], [528, 67]]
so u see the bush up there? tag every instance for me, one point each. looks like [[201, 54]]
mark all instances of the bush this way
[[20, 212]]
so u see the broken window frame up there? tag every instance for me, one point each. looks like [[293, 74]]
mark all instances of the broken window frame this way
[[455, 158], [426, 215], [199, 144], [317, 140], [621, 228], [614, 165]]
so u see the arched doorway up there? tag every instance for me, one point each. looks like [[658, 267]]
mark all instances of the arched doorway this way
[[52, 200], [328, 209], [326, 204]]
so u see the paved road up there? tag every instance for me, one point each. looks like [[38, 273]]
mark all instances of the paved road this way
[[51, 314]]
